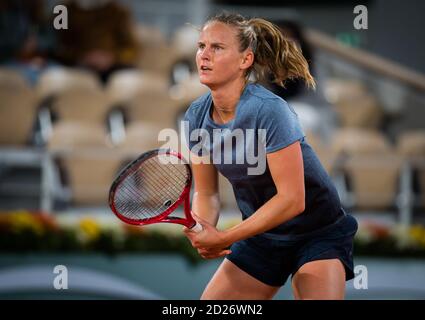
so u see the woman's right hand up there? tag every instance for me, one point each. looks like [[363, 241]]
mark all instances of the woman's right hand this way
[[213, 254], [206, 253]]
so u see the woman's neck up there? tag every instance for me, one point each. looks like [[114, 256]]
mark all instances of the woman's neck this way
[[225, 99]]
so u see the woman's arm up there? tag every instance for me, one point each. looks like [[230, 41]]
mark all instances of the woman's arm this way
[[286, 168], [206, 200], [206, 203]]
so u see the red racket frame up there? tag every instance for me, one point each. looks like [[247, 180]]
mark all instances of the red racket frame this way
[[188, 222]]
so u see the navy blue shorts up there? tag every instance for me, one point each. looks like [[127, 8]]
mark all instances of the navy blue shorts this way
[[272, 261]]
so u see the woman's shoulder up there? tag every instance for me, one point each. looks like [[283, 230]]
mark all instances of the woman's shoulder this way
[[270, 107], [199, 106], [268, 101], [259, 91], [200, 101]]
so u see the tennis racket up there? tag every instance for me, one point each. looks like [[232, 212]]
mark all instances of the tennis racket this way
[[151, 187]]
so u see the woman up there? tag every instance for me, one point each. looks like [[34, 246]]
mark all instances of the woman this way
[[293, 223]]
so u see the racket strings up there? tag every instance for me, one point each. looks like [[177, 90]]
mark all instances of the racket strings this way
[[151, 189], [148, 203], [162, 181], [179, 175], [164, 177], [172, 180], [157, 194], [142, 204]]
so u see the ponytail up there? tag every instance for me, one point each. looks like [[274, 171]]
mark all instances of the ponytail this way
[[278, 55]]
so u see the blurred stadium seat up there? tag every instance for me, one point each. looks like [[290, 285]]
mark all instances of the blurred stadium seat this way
[[354, 105], [361, 112], [156, 55], [17, 116], [371, 166], [141, 136], [185, 40], [57, 80], [53, 82], [359, 141], [89, 174], [81, 105], [84, 153], [411, 146], [152, 106], [123, 85], [339, 89], [184, 45], [374, 180], [12, 80], [412, 143], [24, 170], [72, 135]]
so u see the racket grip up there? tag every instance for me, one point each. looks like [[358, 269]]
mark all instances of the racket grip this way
[[197, 227]]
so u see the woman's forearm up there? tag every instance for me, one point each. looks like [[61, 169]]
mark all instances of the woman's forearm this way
[[274, 212], [206, 206]]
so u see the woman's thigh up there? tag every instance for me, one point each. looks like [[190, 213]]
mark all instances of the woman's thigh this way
[[325, 263], [320, 280], [230, 282]]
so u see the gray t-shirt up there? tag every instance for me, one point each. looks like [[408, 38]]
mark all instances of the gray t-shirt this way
[[263, 123]]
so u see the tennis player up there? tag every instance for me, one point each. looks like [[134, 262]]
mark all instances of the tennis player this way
[[293, 222]]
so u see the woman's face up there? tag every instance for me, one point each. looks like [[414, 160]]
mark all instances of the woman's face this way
[[218, 58]]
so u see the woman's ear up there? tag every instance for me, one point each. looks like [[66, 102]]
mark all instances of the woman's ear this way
[[247, 60]]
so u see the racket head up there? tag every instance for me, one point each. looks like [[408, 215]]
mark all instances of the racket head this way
[[165, 195]]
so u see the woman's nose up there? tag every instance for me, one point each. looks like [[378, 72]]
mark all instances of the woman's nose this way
[[205, 54]]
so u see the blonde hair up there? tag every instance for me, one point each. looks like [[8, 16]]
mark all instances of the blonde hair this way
[[273, 52]]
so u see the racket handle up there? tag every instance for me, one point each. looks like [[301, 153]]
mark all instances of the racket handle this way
[[197, 227]]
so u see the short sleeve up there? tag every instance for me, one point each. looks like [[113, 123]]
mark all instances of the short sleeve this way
[[281, 123], [194, 137], [188, 125]]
